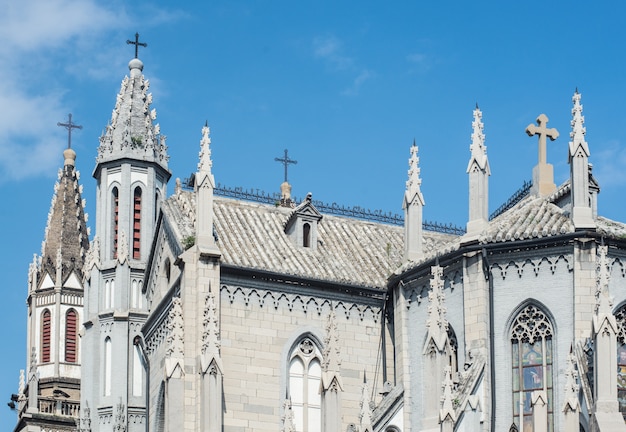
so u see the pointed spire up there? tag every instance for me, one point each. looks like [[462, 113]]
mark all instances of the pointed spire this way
[[413, 204], [479, 172], [211, 360], [131, 132], [365, 413], [571, 384], [447, 413], [66, 239], [205, 163], [204, 186], [437, 323], [578, 158]]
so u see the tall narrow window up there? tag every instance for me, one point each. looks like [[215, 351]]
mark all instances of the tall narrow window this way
[[115, 220], [305, 374], [620, 317], [531, 354], [137, 372], [137, 223], [306, 235], [46, 328], [107, 366], [70, 336]]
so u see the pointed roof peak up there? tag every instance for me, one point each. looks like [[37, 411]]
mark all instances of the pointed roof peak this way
[[414, 181], [66, 239], [205, 163]]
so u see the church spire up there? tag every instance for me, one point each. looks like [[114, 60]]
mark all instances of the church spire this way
[[478, 171], [578, 158], [66, 237], [413, 204], [131, 133]]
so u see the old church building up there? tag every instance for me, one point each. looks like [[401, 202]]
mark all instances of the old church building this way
[[194, 310]]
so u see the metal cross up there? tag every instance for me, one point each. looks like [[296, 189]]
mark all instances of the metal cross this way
[[543, 132], [286, 161], [69, 126], [137, 44]]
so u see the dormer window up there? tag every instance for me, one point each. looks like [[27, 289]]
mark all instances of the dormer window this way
[[306, 235], [301, 227]]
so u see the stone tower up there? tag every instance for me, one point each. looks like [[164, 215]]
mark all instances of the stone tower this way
[[131, 175], [49, 392]]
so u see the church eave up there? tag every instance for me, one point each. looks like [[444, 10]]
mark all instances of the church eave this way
[[131, 161]]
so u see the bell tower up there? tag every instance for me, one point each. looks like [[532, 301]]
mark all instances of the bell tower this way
[[131, 175]]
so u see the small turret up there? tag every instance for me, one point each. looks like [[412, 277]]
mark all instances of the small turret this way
[[478, 171]]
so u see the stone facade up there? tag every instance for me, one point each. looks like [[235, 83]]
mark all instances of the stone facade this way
[[206, 313]]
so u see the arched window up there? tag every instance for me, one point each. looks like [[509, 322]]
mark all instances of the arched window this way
[[620, 317], [305, 374], [306, 235], [46, 329], [453, 349], [109, 294], [70, 336], [115, 216], [531, 355], [108, 357], [135, 300], [137, 223]]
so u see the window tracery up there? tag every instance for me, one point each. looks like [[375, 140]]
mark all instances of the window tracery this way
[[305, 374], [531, 355]]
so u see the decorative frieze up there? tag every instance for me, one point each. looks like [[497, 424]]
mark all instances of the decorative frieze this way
[[297, 302]]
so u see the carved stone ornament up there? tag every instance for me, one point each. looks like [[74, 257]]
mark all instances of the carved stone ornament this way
[[306, 347], [530, 325], [287, 418], [120, 418], [176, 330], [122, 248], [210, 334]]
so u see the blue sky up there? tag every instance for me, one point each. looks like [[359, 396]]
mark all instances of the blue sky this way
[[345, 86]]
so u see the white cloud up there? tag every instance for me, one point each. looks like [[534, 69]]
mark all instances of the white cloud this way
[[330, 49]]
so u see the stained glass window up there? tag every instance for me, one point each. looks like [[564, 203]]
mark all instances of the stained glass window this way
[[531, 355]]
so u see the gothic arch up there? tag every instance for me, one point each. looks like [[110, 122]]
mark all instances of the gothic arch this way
[[46, 336], [536, 303], [531, 338], [71, 336]]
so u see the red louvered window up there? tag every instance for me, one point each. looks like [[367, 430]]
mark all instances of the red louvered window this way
[[137, 224], [70, 336], [45, 336], [116, 214]]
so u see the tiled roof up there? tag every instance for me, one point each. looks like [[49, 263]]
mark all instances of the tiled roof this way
[[250, 235]]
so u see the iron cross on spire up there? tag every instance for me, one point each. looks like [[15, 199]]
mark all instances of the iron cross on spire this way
[[69, 126], [286, 161], [137, 44], [543, 132]]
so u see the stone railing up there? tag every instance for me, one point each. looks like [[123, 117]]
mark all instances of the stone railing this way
[[59, 407]]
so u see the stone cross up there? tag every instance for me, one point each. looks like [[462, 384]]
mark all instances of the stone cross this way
[[69, 126], [543, 132], [137, 44], [286, 161]]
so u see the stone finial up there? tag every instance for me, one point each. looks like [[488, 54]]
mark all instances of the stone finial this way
[[571, 384], [287, 418], [543, 173], [413, 194], [478, 149], [413, 204], [436, 322], [365, 412], [205, 163], [84, 422], [578, 158], [479, 172], [447, 413]]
